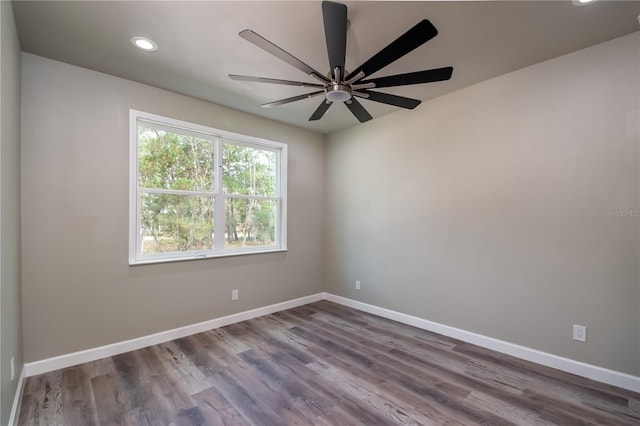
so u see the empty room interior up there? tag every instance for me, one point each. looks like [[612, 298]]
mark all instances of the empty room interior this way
[[328, 213]]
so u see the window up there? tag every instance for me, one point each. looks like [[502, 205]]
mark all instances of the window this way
[[198, 192]]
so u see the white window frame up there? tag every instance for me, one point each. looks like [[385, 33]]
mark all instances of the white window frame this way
[[218, 137]]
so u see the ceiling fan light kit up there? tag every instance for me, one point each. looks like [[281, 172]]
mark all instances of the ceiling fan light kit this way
[[341, 86]]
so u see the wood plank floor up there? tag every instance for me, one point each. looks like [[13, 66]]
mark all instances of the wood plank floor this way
[[321, 364]]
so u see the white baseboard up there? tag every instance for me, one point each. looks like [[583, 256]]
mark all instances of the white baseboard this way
[[75, 358], [17, 399], [604, 375]]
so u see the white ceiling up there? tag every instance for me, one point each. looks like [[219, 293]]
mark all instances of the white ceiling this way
[[199, 43]]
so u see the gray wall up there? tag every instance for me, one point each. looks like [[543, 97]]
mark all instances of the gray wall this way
[[78, 289], [10, 317], [485, 209]]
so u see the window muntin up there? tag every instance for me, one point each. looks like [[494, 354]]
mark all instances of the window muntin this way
[[189, 181]]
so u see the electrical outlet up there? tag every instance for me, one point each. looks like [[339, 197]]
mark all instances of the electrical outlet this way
[[357, 285], [13, 368], [234, 294], [579, 333]]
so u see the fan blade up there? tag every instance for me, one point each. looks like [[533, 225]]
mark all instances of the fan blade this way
[[419, 77], [395, 100], [319, 112], [273, 80], [266, 45], [334, 16], [415, 37], [293, 99], [358, 110]]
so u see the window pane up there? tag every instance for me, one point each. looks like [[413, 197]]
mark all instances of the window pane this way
[[176, 223], [168, 160], [248, 171], [250, 223]]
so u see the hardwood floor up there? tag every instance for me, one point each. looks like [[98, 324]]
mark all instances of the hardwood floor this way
[[320, 364]]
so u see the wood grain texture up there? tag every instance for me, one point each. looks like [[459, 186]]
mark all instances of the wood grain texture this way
[[320, 364]]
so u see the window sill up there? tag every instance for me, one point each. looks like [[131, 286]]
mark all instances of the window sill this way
[[201, 257]]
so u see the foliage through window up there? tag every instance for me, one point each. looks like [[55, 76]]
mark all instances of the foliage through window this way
[[200, 192]]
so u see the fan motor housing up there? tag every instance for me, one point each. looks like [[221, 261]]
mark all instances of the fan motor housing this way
[[337, 92]]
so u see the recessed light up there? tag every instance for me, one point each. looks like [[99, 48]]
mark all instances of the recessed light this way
[[144, 43], [582, 2]]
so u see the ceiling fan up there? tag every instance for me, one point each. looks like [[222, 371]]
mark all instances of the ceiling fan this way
[[340, 85]]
